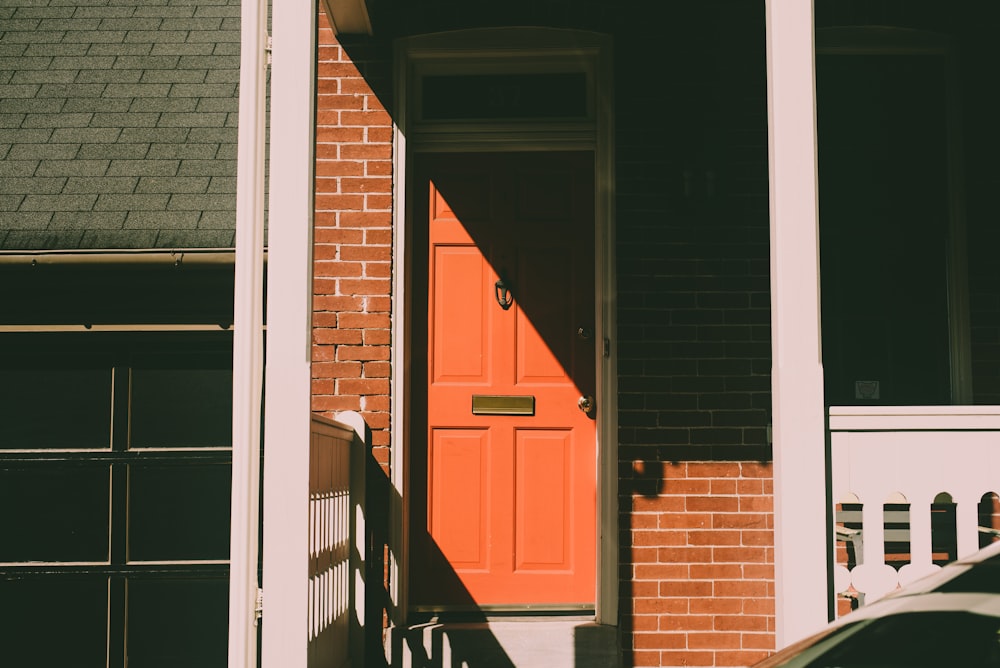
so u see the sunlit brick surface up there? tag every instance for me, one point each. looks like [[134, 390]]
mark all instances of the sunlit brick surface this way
[[353, 241]]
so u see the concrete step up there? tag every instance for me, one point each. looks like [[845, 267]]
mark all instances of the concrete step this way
[[522, 643]]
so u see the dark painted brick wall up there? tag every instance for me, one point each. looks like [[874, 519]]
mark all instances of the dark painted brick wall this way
[[692, 222]]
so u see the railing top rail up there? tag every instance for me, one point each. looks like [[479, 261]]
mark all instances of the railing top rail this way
[[914, 418], [330, 427]]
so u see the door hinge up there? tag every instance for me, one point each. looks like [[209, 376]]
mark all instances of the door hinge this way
[[258, 608], [267, 49], [607, 347]]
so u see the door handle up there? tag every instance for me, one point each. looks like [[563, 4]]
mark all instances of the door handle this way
[[586, 404], [504, 298]]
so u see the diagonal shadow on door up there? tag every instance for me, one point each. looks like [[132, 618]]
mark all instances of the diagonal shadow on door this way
[[505, 496]]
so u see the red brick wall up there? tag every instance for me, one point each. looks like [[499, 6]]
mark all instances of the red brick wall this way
[[700, 587], [352, 259]]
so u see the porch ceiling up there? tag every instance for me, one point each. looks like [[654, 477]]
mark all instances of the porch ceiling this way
[[348, 16]]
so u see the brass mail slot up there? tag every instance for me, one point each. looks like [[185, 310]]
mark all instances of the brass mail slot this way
[[503, 404]]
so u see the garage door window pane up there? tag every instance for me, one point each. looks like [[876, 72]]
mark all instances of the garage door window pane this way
[[54, 513], [55, 408], [179, 512], [54, 621], [177, 622], [181, 408]]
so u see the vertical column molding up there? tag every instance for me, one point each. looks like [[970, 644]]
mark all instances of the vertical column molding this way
[[248, 337], [289, 309], [800, 497]]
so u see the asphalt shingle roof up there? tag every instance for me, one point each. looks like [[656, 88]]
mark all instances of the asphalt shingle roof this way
[[118, 123]]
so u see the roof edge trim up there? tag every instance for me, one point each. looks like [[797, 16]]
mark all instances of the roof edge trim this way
[[174, 256]]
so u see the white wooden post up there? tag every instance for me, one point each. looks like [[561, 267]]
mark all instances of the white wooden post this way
[[289, 308], [800, 508], [248, 338]]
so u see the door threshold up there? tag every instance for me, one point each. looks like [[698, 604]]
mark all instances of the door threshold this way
[[487, 613]]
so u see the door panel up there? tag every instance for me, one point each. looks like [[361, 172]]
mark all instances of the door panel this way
[[546, 271], [543, 484], [462, 334], [503, 511], [460, 495]]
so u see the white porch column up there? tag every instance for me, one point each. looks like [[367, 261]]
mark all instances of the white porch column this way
[[797, 373], [289, 308]]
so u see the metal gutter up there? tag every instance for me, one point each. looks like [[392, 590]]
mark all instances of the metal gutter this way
[[116, 327], [175, 256]]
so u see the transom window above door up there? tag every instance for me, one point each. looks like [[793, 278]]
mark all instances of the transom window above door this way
[[482, 82]]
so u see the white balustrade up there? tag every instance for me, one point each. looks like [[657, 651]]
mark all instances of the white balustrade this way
[[912, 455], [335, 487]]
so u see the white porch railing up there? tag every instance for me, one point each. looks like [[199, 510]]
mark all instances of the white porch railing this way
[[915, 455], [336, 541]]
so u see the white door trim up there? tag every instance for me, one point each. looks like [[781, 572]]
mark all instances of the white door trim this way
[[545, 46]]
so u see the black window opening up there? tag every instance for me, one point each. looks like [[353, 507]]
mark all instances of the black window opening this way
[[884, 229], [115, 475]]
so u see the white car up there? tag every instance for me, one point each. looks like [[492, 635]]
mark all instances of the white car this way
[[950, 619]]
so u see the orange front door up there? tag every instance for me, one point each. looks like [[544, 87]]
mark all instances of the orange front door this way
[[504, 508]]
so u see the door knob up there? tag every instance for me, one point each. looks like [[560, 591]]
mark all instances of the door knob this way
[[586, 404]]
